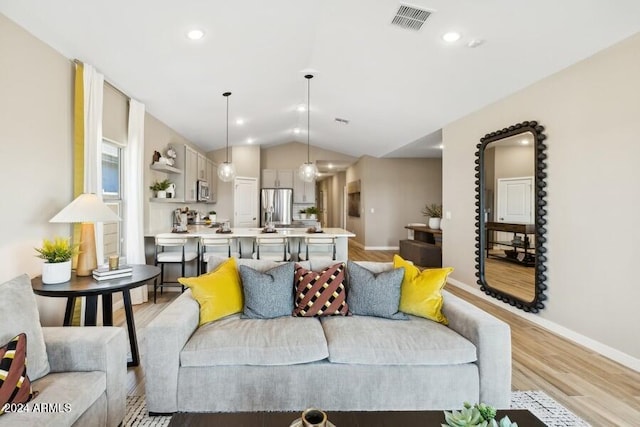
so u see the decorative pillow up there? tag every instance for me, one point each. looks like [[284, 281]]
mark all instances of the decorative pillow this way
[[320, 294], [219, 292], [267, 295], [420, 294], [18, 314], [374, 294], [15, 386]]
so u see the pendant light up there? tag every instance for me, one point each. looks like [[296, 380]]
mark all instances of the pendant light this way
[[308, 171], [226, 171]]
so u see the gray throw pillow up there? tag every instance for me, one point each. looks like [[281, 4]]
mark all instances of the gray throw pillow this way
[[372, 294], [267, 295], [18, 314]]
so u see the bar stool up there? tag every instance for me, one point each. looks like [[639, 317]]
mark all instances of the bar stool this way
[[181, 256], [318, 247], [216, 246], [271, 248]]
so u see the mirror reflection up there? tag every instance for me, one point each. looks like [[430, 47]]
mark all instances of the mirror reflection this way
[[509, 216]]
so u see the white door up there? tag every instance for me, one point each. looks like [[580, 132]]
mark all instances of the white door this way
[[245, 202], [515, 200]]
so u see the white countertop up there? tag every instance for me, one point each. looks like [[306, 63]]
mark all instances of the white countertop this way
[[203, 230]]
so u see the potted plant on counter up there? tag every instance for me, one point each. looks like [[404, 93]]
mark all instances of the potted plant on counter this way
[[160, 188], [303, 213], [434, 212], [312, 211], [57, 256]]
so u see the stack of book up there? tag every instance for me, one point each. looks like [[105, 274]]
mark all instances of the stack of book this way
[[103, 273]]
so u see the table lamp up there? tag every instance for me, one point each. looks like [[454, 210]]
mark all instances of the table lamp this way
[[87, 208]]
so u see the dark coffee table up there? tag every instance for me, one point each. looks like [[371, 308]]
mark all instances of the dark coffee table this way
[[523, 417]]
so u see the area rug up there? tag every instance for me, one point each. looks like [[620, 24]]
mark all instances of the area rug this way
[[541, 405]]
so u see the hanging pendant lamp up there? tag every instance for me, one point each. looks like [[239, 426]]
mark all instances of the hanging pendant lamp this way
[[226, 171], [308, 171]]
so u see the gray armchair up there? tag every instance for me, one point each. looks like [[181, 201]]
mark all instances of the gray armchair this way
[[84, 381]]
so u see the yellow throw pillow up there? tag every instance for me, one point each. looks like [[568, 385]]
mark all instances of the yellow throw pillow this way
[[420, 294], [219, 292]]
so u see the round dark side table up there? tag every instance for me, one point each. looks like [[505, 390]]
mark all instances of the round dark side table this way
[[91, 289]]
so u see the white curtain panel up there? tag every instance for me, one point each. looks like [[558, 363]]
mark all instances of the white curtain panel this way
[[93, 83], [133, 193]]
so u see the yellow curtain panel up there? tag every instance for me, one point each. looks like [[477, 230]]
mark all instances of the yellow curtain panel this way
[[78, 157]]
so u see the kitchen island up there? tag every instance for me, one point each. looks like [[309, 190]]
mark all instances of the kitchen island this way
[[245, 237]]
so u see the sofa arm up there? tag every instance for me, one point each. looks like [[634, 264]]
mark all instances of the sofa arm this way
[[492, 338], [165, 336], [77, 349]]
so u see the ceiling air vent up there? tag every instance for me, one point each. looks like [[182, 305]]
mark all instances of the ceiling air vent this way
[[410, 17]]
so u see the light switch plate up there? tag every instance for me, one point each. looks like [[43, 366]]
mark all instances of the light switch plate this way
[[447, 215]]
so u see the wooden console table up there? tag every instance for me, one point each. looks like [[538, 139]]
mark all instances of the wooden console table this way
[[521, 251], [426, 234]]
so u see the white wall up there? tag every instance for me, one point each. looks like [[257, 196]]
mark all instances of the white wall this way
[[36, 134], [590, 111]]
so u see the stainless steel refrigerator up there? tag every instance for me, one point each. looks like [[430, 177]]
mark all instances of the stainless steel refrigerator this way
[[278, 202]]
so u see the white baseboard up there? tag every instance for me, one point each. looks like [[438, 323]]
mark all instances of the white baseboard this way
[[381, 248], [600, 348]]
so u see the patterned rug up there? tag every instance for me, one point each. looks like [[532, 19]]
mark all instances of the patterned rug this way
[[542, 406]]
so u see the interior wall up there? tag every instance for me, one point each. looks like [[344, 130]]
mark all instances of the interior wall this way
[[590, 111], [396, 192], [291, 155], [36, 130]]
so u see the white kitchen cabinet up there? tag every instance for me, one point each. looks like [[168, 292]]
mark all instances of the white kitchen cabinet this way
[[212, 177], [190, 174], [277, 178], [303, 192], [202, 167]]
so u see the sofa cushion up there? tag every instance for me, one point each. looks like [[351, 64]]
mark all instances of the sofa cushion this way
[[374, 294], [421, 290], [237, 341], [218, 293], [15, 386], [63, 398], [267, 295], [320, 293], [375, 341], [18, 314]]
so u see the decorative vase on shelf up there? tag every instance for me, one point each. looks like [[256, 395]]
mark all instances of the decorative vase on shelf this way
[[56, 272], [161, 194], [434, 223]]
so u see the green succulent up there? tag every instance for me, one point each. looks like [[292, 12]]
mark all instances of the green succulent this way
[[478, 415], [467, 417]]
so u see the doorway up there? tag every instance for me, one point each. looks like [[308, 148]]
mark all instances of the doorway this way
[[245, 202], [514, 203]]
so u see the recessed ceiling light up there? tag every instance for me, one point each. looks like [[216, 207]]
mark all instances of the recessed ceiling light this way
[[195, 34], [451, 37], [441, 146], [296, 130], [301, 108], [250, 140], [330, 166], [239, 122], [524, 142], [474, 43]]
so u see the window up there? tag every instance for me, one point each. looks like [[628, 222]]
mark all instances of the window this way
[[112, 178]]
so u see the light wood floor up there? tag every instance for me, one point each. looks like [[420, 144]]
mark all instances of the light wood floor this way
[[600, 391]]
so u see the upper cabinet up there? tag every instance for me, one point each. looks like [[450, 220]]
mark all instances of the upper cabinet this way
[[190, 174], [202, 168], [277, 178], [211, 174], [303, 192]]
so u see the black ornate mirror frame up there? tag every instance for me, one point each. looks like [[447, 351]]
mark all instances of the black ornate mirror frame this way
[[540, 215]]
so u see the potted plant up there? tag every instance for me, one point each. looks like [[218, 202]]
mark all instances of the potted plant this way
[[303, 214], [212, 216], [160, 187], [312, 211], [57, 256], [434, 212]]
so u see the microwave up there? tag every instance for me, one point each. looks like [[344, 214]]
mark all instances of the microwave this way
[[202, 191]]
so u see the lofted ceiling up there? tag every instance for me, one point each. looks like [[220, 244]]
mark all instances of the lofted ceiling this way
[[396, 87]]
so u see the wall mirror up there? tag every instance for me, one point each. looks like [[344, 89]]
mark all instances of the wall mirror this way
[[511, 215]]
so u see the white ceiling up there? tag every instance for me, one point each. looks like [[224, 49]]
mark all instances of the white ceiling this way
[[397, 87]]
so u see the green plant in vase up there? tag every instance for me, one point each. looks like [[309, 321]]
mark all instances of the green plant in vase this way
[[311, 212], [160, 188], [434, 212], [478, 415], [57, 254]]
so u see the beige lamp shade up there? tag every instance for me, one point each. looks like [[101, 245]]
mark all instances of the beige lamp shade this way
[[86, 208]]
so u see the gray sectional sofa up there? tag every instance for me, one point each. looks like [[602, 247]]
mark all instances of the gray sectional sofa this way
[[334, 363]]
